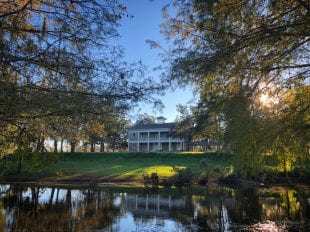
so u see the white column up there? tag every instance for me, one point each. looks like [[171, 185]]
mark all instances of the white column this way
[[128, 140], [169, 143], [158, 140], [138, 141], [169, 202], [148, 141], [158, 203]]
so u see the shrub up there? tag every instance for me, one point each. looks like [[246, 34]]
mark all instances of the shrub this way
[[183, 176], [203, 179], [153, 179], [208, 173], [167, 182]]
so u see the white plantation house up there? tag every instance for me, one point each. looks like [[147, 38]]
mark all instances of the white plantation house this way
[[154, 137]]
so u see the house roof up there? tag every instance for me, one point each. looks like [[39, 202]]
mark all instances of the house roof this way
[[153, 126]]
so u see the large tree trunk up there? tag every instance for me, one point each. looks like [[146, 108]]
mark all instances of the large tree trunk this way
[[42, 145], [38, 145], [85, 146], [55, 145], [92, 145], [101, 146], [72, 146], [62, 145]]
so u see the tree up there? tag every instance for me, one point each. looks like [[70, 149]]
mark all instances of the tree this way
[[235, 53], [116, 136], [145, 119], [185, 124], [239, 42], [57, 61], [291, 134]]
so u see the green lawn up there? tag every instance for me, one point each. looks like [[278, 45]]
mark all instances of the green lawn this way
[[117, 166]]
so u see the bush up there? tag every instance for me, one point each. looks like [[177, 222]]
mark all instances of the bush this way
[[203, 179], [153, 179], [208, 173], [183, 176]]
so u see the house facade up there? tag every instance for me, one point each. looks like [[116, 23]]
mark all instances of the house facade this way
[[154, 137]]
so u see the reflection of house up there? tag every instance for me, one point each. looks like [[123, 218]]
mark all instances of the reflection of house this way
[[154, 137], [152, 205]]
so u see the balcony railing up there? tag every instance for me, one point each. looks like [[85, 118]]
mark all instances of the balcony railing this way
[[155, 139]]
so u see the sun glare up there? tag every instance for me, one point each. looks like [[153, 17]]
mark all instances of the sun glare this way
[[267, 96], [265, 100]]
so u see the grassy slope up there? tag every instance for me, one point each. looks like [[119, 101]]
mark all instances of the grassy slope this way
[[126, 166]]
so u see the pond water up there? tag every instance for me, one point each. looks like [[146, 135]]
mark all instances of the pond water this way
[[41, 208]]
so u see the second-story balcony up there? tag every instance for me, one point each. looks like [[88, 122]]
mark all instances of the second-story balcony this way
[[164, 138], [145, 137], [153, 138], [133, 138], [142, 139]]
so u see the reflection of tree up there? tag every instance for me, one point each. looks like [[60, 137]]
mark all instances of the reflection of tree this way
[[282, 203], [245, 208], [304, 204], [207, 212], [93, 210], [219, 209], [212, 213], [290, 203], [2, 217]]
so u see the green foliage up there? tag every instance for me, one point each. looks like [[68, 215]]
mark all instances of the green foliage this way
[[248, 60], [53, 83], [42, 162], [209, 172], [152, 179], [32, 163], [183, 176], [145, 119]]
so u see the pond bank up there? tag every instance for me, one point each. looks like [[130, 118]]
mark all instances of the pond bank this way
[[138, 182], [119, 168]]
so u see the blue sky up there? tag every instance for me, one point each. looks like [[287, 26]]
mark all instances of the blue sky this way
[[145, 25]]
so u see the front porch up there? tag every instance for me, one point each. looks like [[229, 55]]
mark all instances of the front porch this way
[[156, 146]]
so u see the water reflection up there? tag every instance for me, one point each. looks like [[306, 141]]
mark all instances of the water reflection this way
[[39, 208]]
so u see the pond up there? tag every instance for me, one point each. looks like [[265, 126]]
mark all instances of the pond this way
[[42, 208]]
